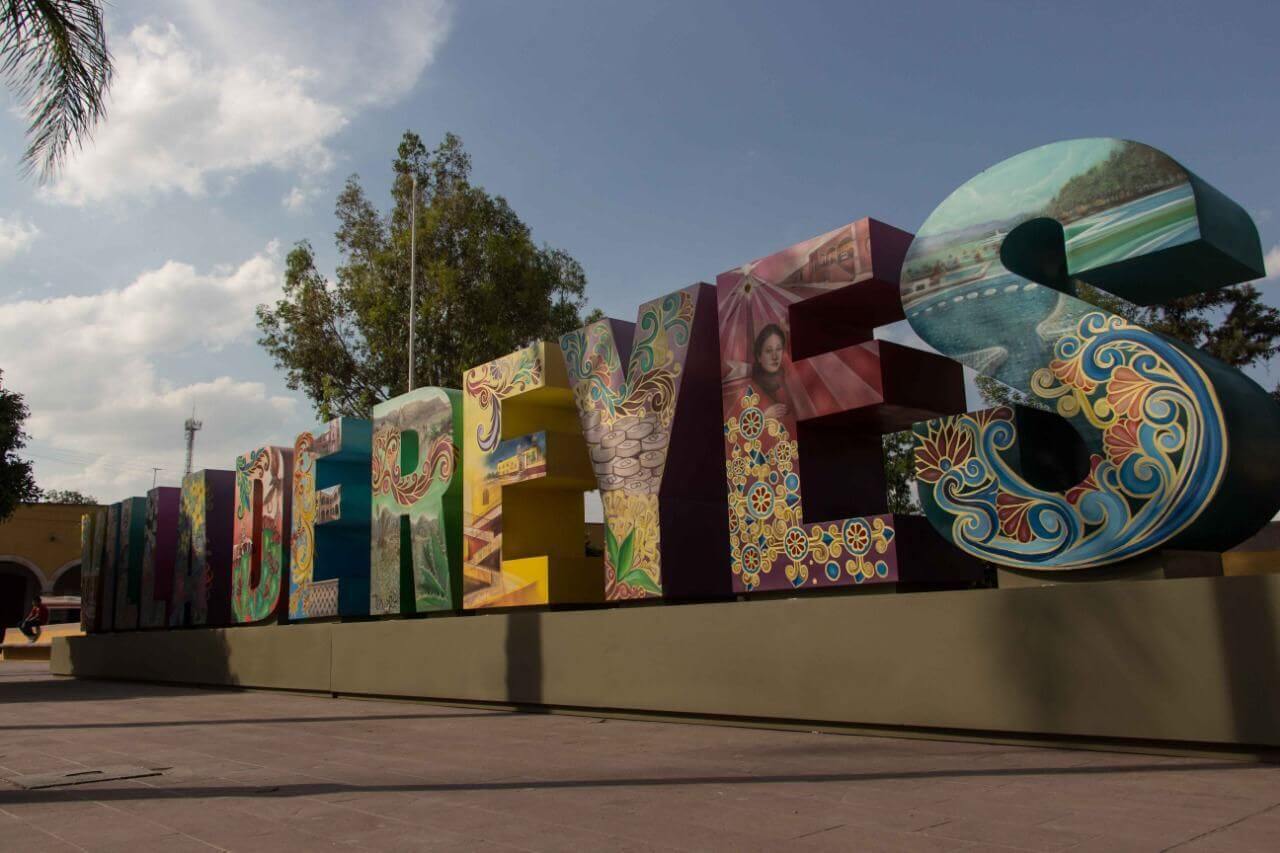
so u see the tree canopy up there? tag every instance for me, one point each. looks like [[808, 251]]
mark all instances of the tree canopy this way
[[66, 496], [17, 483], [484, 288]]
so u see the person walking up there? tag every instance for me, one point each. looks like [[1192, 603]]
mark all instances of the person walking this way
[[35, 620]]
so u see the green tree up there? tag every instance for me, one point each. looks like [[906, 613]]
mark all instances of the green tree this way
[[66, 496], [17, 483], [484, 288], [899, 470], [53, 55]]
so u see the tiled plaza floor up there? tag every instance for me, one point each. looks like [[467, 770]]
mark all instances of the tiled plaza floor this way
[[280, 772]]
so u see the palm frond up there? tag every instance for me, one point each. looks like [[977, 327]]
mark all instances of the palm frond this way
[[53, 53]]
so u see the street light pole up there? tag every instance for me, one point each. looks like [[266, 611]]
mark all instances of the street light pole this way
[[413, 268]]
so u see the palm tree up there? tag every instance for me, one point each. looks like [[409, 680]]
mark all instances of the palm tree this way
[[53, 54]]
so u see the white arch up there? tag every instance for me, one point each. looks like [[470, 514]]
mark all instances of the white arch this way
[[62, 570], [25, 563]]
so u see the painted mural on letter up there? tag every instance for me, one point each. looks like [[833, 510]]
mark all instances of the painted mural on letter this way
[[92, 533], [260, 568], [767, 392], [768, 534], [127, 562], [626, 422], [329, 544], [542, 559], [1153, 413], [159, 550], [202, 567], [416, 542], [490, 463]]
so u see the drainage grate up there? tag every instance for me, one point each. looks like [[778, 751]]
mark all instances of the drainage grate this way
[[81, 777]]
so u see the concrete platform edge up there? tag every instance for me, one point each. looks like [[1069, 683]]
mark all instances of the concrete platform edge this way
[[1189, 661]]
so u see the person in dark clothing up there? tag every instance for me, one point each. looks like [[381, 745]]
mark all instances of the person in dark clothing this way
[[35, 619]]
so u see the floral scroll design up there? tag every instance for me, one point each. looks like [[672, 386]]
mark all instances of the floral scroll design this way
[[489, 383], [302, 557], [649, 384], [1162, 455], [636, 406], [766, 526], [249, 602], [388, 479]]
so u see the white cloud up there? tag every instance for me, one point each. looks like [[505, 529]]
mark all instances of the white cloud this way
[[297, 199], [1272, 261], [206, 92], [93, 370], [16, 235]]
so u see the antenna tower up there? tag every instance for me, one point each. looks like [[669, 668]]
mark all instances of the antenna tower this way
[[191, 426]]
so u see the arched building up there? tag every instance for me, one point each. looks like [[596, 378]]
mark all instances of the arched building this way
[[39, 554]]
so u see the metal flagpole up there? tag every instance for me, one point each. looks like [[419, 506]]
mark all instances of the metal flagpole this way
[[413, 268]]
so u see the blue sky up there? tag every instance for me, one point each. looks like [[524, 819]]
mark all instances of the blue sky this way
[[659, 143]]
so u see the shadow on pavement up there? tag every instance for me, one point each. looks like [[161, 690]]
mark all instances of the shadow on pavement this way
[[36, 686], [325, 788], [255, 721]]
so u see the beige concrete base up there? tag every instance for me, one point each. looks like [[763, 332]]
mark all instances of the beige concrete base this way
[[1190, 661], [1157, 565], [23, 651]]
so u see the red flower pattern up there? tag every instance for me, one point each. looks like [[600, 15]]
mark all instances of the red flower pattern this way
[[1128, 391], [1013, 512], [1088, 484], [944, 448], [1071, 372], [1120, 440]]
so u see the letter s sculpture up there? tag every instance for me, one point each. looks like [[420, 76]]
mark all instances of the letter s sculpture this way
[[1177, 442]]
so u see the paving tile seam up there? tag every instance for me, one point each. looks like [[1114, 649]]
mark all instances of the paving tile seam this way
[[1225, 826], [173, 829], [717, 771], [55, 836]]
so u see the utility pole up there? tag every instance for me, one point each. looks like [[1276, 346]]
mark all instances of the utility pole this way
[[413, 267], [191, 426], [154, 471]]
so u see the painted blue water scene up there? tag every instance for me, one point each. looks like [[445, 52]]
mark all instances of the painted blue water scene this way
[[1114, 200]]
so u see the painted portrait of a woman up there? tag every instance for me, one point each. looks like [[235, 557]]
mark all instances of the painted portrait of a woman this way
[[767, 371]]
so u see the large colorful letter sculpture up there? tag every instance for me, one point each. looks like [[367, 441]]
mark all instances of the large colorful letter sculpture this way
[[329, 548], [807, 394], [524, 458], [1178, 444], [416, 544], [260, 549], [107, 567], [629, 421], [159, 548], [124, 560], [202, 570], [93, 528]]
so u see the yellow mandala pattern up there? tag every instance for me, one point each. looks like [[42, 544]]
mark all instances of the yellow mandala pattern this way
[[766, 527]]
